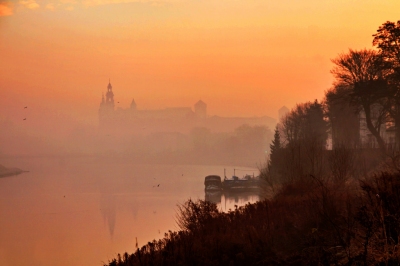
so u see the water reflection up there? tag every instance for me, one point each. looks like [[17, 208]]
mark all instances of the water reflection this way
[[213, 196], [109, 211], [84, 211], [226, 200]]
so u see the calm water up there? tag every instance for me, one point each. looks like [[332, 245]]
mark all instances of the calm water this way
[[85, 211]]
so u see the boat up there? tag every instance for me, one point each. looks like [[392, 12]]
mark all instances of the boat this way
[[212, 183], [247, 183]]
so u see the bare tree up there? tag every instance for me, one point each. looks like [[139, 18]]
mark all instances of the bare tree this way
[[363, 71]]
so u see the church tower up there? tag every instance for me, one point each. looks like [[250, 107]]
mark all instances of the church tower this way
[[106, 110], [110, 95]]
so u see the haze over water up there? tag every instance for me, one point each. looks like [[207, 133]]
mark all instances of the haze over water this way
[[85, 211], [85, 198]]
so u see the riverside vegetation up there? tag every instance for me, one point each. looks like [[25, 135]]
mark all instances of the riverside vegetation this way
[[309, 221], [338, 206]]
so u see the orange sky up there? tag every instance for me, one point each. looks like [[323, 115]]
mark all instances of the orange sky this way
[[241, 57]]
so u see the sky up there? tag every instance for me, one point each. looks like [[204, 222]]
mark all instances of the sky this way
[[241, 57]]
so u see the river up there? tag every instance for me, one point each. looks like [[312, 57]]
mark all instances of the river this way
[[85, 211]]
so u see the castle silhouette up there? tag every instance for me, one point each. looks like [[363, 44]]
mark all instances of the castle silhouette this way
[[173, 119]]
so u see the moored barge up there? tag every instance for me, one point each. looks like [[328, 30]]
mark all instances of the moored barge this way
[[247, 183]]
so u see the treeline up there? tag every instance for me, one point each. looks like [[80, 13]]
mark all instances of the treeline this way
[[338, 206], [368, 84], [246, 145], [360, 112]]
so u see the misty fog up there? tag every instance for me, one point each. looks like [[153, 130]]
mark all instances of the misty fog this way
[[113, 112], [153, 136], [93, 189]]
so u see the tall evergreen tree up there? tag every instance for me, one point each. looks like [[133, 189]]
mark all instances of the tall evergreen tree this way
[[275, 147]]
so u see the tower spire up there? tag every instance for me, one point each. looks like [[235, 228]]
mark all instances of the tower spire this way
[[110, 94]]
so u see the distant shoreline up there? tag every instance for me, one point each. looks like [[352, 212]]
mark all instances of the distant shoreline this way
[[5, 172]]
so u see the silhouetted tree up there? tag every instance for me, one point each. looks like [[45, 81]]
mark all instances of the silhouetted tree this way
[[363, 72], [275, 146], [305, 122], [387, 39], [343, 117], [305, 133], [275, 159]]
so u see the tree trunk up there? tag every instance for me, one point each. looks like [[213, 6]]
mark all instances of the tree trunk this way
[[372, 129]]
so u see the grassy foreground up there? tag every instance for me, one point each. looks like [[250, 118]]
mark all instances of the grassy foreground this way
[[308, 222]]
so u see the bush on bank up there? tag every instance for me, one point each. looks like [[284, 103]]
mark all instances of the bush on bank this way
[[309, 222]]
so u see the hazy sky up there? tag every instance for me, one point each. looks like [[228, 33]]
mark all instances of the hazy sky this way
[[241, 57]]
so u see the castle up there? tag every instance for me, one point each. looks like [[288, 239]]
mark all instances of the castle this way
[[174, 119]]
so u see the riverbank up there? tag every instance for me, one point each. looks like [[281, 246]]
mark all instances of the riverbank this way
[[4, 171], [308, 222]]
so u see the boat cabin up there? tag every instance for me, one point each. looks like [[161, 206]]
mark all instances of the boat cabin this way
[[213, 182]]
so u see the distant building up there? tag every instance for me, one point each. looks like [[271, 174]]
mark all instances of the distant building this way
[[282, 112], [200, 109], [173, 119], [106, 111]]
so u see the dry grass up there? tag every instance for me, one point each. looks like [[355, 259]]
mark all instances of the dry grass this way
[[314, 223]]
